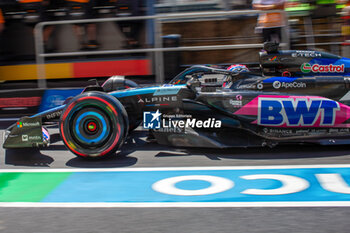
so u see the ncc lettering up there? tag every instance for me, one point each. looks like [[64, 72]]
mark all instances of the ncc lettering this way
[[332, 182], [297, 112]]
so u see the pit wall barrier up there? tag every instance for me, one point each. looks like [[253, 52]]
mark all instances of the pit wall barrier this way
[[129, 67], [24, 102]]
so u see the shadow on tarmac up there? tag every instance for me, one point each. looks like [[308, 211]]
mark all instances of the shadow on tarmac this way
[[27, 157], [111, 162], [264, 153], [136, 142]]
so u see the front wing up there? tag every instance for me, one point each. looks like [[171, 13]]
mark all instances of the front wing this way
[[27, 132]]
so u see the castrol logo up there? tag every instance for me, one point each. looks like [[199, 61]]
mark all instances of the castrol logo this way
[[316, 68]]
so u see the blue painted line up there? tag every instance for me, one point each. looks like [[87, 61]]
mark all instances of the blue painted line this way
[[136, 186], [134, 92], [157, 91], [168, 90], [281, 79]]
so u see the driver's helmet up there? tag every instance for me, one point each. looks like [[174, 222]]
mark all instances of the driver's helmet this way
[[237, 68]]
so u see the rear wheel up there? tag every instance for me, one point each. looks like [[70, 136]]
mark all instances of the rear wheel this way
[[94, 125]]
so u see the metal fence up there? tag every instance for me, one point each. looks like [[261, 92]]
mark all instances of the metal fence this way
[[158, 49]]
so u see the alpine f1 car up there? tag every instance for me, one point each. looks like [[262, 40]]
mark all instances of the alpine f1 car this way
[[297, 97]]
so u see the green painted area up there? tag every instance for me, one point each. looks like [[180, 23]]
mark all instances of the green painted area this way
[[29, 187]]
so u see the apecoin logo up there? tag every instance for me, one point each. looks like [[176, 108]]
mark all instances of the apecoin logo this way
[[286, 85], [276, 84]]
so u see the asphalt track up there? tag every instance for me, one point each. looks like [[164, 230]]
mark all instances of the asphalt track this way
[[137, 153]]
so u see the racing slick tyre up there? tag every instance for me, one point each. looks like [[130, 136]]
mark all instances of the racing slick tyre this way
[[94, 125]]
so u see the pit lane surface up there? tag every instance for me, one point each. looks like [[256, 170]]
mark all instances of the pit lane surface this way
[[137, 153]]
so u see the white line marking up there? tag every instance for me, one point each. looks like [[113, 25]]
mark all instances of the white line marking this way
[[176, 168], [172, 204]]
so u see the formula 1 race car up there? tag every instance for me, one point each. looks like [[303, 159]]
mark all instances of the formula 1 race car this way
[[298, 97]]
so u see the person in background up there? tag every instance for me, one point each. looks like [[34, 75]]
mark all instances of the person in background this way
[[2, 27], [36, 13], [86, 33], [131, 29], [2, 22], [346, 21], [270, 23]]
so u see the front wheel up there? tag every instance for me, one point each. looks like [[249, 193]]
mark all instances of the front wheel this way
[[94, 125]]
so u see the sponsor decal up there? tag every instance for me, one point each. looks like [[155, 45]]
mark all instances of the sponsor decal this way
[[306, 68], [177, 116], [297, 112], [301, 132], [273, 58], [46, 135], [28, 124], [177, 82], [171, 130], [247, 86], [316, 68], [276, 84], [236, 103], [286, 74], [19, 124], [35, 138], [162, 100], [25, 138], [239, 97], [227, 84], [286, 85], [54, 115], [306, 54], [192, 123], [153, 120]]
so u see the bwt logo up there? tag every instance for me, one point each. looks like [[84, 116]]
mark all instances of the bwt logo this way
[[297, 112], [151, 120]]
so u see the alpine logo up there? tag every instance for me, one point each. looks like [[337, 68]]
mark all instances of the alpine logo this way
[[312, 112], [316, 68]]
